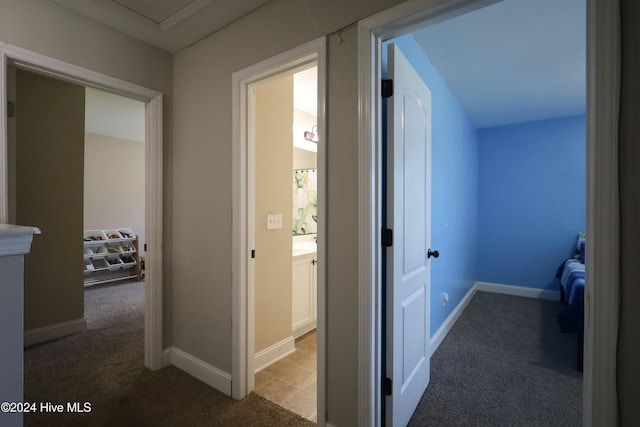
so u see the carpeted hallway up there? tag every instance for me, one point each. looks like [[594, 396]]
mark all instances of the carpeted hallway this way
[[504, 363], [105, 366]]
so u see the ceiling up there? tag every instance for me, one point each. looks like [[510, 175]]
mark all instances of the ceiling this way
[[170, 25], [514, 61], [510, 62]]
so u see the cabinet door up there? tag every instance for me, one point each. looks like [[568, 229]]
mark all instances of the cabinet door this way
[[302, 296]]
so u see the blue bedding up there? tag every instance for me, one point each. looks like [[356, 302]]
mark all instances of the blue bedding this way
[[572, 280]]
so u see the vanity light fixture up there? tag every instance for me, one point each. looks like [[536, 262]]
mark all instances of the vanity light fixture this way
[[313, 135]]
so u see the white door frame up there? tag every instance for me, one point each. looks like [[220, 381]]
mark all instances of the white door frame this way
[[601, 294], [24, 59], [243, 221]]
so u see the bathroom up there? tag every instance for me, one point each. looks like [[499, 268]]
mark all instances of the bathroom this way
[[286, 164]]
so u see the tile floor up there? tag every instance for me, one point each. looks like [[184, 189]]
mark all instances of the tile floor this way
[[292, 382]]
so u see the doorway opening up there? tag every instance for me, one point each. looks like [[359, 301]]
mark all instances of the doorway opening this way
[[484, 157], [285, 227], [114, 201], [153, 177], [279, 275], [404, 19]]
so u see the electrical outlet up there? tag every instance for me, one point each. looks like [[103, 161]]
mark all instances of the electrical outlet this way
[[445, 298], [274, 221]]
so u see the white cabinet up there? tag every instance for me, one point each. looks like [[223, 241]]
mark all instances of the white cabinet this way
[[110, 255], [304, 313]]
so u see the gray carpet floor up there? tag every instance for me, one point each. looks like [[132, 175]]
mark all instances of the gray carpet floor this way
[[504, 363], [105, 367]]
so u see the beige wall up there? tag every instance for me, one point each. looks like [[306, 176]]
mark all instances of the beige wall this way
[[274, 159], [43, 26], [49, 171], [47, 28], [304, 159], [11, 145], [114, 184], [342, 230], [202, 155]]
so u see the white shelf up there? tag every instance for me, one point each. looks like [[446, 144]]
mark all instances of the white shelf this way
[[106, 253]]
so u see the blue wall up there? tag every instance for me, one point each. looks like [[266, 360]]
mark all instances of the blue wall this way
[[531, 200], [454, 226], [507, 201]]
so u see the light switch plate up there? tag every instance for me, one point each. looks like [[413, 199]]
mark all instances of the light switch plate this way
[[274, 221]]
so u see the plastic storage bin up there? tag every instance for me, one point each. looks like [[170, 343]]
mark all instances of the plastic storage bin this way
[[94, 237], [126, 233], [114, 263], [113, 235], [99, 264]]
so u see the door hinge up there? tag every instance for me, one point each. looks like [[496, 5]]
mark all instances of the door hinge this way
[[145, 247], [387, 386], [253, 253], [387, 237], [387, 88]]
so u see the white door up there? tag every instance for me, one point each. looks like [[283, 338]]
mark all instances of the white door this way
[[409, 217]]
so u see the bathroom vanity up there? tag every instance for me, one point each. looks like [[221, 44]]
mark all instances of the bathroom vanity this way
[[304, 287]]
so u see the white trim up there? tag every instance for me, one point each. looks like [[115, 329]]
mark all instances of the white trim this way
[[154, 196], [65, 71], [369, 256], [208, 374], [54, 68], [297, 333], [321, 255], [443, 330], [182, 14], [15, 239], [59, 330], [519, 291], [601, 293], [272, 354], [242, 300]]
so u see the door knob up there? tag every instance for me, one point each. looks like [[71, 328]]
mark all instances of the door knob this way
[[434, 254]]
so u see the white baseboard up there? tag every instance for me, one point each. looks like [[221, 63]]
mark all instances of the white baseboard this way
[[59, 330], [274, 353], [519, 291], [195, 367], [297, 333], [451, 320]]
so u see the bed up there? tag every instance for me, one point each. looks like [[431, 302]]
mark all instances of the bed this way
[[572, 279]]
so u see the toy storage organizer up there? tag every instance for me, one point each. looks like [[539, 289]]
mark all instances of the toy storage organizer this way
[[110, 255]]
